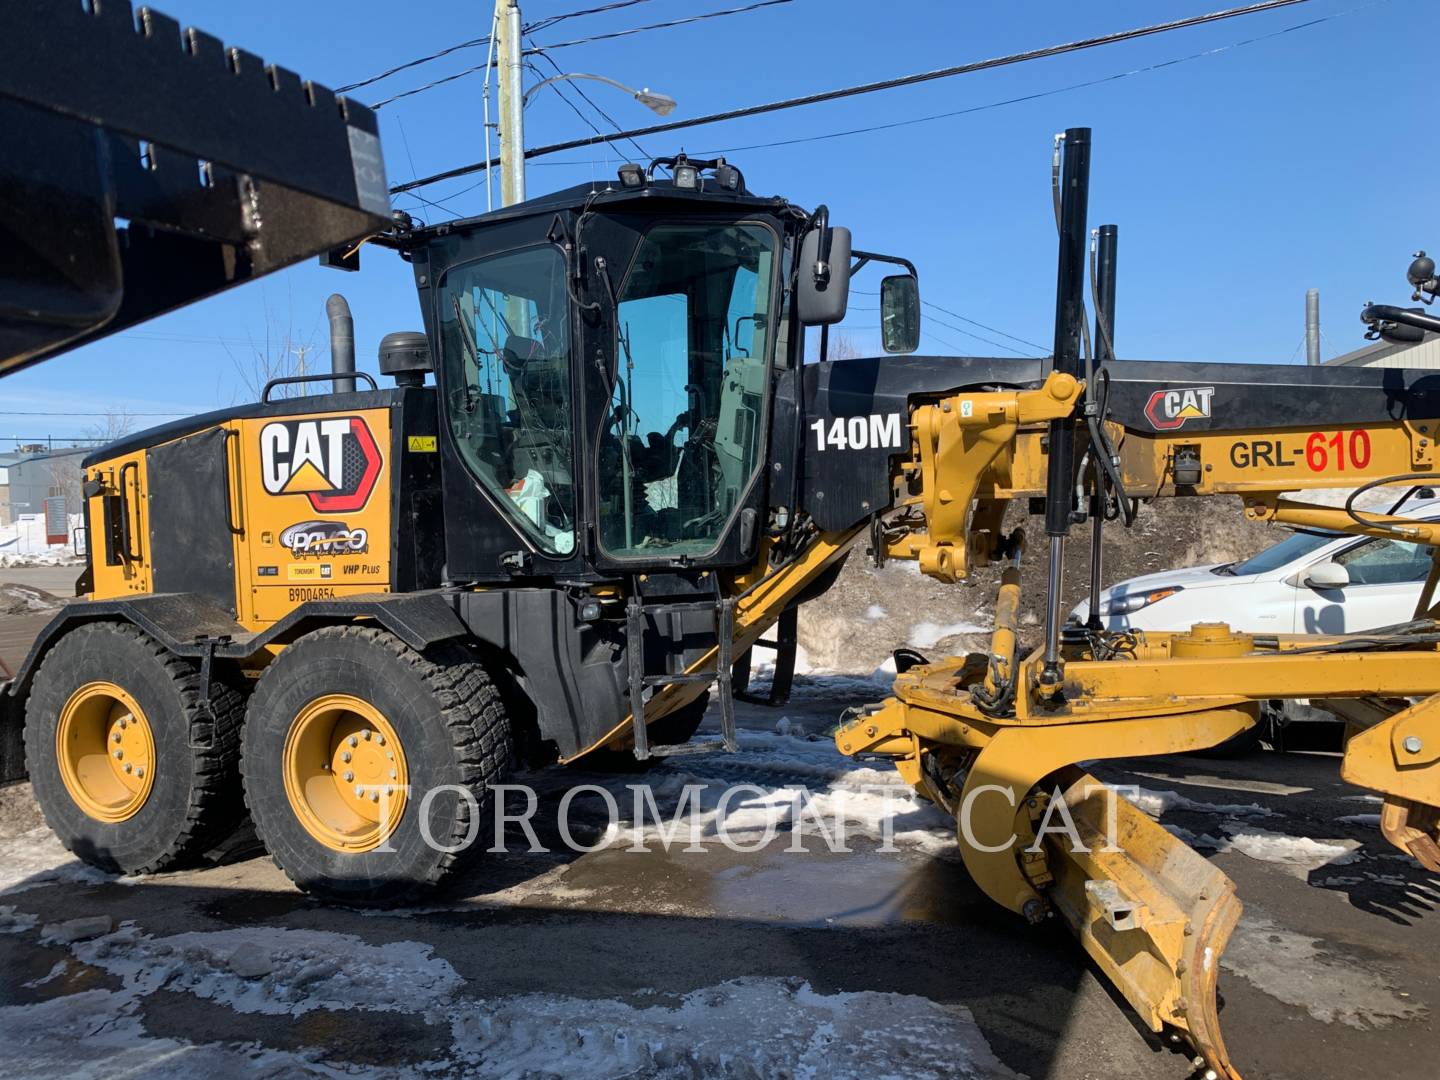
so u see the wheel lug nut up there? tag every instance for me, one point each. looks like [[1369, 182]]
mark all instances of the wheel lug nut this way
[[359, 791], [394, 774], [379, 739], [375, 796], [353, 741], [349, 776], [365, 734], [345, 757], [129, 767], [140, 772], [115, 737], [119, 754]]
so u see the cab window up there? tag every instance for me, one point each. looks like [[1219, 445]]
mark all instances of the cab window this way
[[505, 336]]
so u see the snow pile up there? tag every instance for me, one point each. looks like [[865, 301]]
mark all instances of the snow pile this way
[[22, 542], [13, 922], [309, 969], [36, 857], [1299, 854], [875, 612], [1301, 971], [926, 635], [1235, 831], [746, 1027], [26, 599], [813, 682], [778, 784], [1156, 803]]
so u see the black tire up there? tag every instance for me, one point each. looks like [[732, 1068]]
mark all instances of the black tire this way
[[194, 801], [448, 716]]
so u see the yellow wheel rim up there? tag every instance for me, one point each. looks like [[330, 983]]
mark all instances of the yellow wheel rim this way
[[345, 773], [106, 752]]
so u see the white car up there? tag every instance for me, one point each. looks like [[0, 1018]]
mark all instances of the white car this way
[[1312, 582]]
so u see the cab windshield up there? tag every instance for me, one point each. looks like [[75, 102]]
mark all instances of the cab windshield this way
[[682, 437]]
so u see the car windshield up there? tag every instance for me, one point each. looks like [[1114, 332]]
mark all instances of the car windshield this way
[[1295, 546]]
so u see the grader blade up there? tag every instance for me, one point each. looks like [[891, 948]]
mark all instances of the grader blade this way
[[1152, 912]]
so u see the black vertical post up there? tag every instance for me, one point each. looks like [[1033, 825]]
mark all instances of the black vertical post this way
[[1105, 251], [1069, 317], [1107, 241]]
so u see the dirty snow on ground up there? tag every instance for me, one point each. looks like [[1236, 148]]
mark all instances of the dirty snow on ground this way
[[874, 612], [23, 599], [926, 635], [745, 1027], [1303, 971], [35, 858], [1235, 830], [814, 682], [779, 784]]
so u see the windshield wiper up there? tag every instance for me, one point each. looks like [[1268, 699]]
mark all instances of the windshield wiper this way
[[1228, 569]]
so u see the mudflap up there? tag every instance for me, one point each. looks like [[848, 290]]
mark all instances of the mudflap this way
[[1154, 914], [12, 737]]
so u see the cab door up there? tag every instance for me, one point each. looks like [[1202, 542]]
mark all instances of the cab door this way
[[1386, 577]]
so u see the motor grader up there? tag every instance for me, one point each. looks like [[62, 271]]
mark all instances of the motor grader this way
[[604, 473]]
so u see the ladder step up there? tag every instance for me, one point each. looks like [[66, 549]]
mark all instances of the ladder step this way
[[687, 677], [709, 746]]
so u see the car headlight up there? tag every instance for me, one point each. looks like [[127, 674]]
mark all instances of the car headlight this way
[[1133, 602]]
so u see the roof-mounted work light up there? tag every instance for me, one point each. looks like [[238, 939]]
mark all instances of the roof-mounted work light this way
[[685, 176], [631, 176]]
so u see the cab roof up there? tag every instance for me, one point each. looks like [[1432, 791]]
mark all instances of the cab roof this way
[[609, 193]]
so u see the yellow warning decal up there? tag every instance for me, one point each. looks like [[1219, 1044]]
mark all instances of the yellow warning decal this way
[[420, 444]]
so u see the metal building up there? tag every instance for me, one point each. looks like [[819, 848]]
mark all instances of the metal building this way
[[27, 480], [1425, 354]]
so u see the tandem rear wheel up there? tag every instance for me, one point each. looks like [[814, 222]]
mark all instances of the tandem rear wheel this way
[[133, 772], [367, 764]]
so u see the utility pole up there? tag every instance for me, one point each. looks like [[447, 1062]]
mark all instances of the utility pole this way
[[512, 105], [1312, 327]]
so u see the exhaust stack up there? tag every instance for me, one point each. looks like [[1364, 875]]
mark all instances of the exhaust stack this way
[[342, 342]]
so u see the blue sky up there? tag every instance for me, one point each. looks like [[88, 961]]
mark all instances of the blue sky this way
[[1238, 179]]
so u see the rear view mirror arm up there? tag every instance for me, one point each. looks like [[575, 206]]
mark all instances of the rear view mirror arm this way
[[864, 257]]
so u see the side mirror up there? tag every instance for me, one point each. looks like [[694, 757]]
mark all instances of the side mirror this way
[[1327, 575], [900, 313], [822, 286]]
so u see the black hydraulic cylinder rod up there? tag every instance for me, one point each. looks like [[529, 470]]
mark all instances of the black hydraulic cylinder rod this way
[[1107, 240], [342, 341], [1069, 318]]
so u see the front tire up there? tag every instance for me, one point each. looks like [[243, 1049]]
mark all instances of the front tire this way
[[131, 771], [367, 764]]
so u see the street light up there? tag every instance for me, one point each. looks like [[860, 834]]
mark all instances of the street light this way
[[660, 104]]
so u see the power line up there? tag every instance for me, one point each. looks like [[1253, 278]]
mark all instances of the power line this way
[[590, 101], [1114, 77], [884, 84], [973, 322], [567, 44], [543, 24], [610, 35]]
